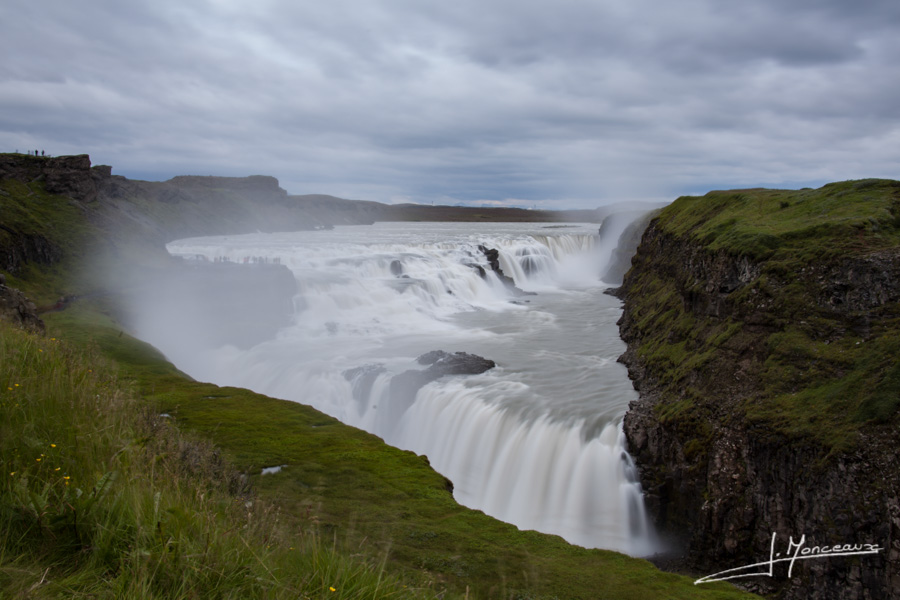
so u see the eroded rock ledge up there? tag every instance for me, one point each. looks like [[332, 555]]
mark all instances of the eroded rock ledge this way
[[721, 344]]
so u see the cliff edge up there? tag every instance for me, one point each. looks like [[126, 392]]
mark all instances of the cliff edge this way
[[763, 332]]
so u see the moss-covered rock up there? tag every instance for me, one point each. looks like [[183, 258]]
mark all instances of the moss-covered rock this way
[[762, 330]]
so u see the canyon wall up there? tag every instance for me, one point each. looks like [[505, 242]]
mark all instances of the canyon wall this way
[[763, 332]]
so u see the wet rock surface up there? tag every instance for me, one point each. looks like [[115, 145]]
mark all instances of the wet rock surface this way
[[405, 385], [493, 258]]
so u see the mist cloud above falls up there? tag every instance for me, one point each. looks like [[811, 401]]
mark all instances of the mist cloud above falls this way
[[564, 104]]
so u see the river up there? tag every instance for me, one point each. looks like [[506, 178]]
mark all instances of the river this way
[[535, 441]]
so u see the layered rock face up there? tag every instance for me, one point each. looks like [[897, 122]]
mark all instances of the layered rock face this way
[[16, 308], [70, 176], [188, 206], [19, 248], [769, 387]]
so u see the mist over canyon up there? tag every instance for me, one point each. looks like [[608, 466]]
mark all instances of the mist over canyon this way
[[535, 440]]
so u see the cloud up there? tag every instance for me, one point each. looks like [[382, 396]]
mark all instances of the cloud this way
[[576, 102]]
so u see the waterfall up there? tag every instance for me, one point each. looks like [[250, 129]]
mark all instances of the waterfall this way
[[536, 441]]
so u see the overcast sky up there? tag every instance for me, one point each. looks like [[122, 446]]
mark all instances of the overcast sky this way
[[554, 104]]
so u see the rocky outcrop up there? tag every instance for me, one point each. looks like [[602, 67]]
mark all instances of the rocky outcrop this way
[[723, 466], [18, 249], [16, 308], [70, 176], [255, 184], [189, 206], [405, 385], [493, 257], [458, 363], [858, 285]]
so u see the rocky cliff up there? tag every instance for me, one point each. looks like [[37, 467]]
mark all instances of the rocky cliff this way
[[63, 213], [188, 206], [17, 309], [70, 176], [25, 237], [763, 330]]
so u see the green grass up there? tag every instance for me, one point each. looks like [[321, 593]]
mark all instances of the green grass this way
[[850, 216], [102, 498]]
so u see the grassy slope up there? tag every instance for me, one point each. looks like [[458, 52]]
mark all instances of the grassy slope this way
[[822, 380], [370, 498], [792, 226], [101, 498]]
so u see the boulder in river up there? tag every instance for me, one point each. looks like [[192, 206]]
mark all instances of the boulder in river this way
[[405, 385]]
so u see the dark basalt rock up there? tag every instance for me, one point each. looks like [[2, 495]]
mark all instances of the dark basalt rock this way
[[19, 249], [493, 257], [405, 385], [478, 268], [70, 176], [459, 363], [16, 308], [259, 184], [719, 485]]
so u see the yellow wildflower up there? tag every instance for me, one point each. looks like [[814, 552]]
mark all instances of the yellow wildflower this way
[[53, 445], [332, 589]]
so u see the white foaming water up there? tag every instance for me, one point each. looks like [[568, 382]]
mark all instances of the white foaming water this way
[[537, 440]]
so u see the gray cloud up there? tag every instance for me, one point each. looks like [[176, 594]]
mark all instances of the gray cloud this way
[[571, 103]]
